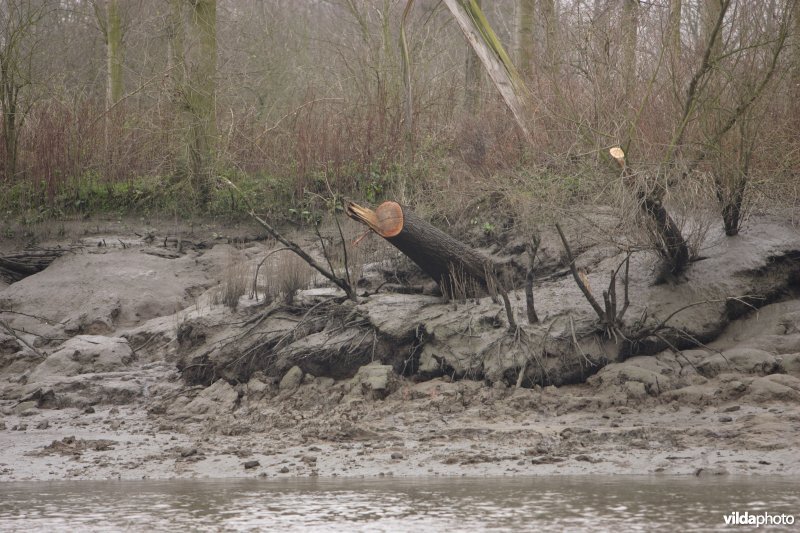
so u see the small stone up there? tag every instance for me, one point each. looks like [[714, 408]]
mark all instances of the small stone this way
[[284, 470], [188, 452], [44, 424], [89, 410], [731, 408], [114, 411], [292, 379], [21, 427], [250, 464], [2, 426], [397, 455], [726, 418]]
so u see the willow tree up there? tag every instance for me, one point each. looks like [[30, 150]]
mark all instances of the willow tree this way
[[110, 22], [18, 45], [674, 29], [192, 58], [473, 77], [630, 32], [526, 20], [549, 16], [493, 56], [796, 53]]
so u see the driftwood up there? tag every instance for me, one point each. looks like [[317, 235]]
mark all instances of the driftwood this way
[[20, 265]]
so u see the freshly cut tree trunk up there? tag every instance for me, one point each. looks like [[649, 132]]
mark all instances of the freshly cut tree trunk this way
[[459, 270]]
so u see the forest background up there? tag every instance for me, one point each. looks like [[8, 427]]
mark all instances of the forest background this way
[[142, 106]]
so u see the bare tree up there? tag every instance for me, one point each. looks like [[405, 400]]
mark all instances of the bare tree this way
[[109, 20], [526, 23], [630, 25], [192, 58], [19, 43]]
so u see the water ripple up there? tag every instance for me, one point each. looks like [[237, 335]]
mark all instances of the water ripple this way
[[406, 504]]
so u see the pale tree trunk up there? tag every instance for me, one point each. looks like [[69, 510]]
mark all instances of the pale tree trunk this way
[[18, 41], [112, 27], [710, 15], [526, 16], [551, 47], [630, 29], [474, 76], [114, 51], [9, 93], [201, 96], [175, 43], [176, 84], [674, 29], [796, 57]]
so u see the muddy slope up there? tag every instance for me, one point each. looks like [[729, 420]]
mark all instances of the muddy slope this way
[[121, 362]]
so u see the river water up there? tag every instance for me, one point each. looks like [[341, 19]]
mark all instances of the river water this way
[[398, 504]]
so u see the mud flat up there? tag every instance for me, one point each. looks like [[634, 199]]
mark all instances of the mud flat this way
[[122, 361]]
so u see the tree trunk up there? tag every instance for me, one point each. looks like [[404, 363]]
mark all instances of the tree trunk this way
[[201, 97], [9, 94], [459, 270], [630, 32], [732, 213], [551, 45], [525, 23], [472, 81], [667, 237], [114, 50], [674, 30]]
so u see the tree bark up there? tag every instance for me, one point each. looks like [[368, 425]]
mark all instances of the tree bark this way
[[630, 30], [201, 97], [525, 23], [674, 29], [672, 248], [457, 268], [472, 80], [549, 15], [114, 51]]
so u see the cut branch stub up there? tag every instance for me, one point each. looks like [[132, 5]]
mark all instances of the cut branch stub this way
[[439, 255]]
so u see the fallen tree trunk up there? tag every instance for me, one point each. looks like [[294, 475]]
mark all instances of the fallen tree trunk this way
[[459, 270]]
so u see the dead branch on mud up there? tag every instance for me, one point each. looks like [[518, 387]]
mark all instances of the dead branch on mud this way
[[11, 331]]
